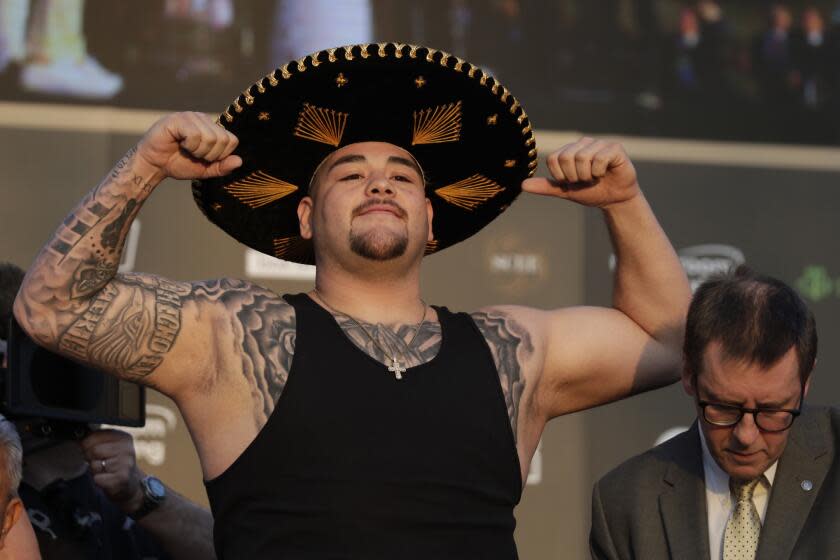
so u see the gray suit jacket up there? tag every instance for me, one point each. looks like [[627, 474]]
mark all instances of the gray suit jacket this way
[[654, 505]]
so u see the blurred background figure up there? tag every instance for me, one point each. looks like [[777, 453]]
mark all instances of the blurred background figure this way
[[776, 73], [813, 58], [16, 538], [43, 41], [87, 498], [303, 27]]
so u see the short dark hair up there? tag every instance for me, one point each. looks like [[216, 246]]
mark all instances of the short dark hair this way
[[11, 277], [755, 318]]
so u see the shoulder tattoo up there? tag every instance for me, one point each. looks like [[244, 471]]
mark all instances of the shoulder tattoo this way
[[510, 344]]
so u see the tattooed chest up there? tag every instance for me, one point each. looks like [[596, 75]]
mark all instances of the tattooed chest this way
[[268, 352]]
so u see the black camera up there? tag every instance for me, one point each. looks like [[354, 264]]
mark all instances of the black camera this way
[[39, 384]]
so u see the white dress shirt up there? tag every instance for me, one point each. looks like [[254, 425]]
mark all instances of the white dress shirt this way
[[719, 502]]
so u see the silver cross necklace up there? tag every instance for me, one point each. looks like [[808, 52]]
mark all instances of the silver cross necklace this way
[[395, 365]]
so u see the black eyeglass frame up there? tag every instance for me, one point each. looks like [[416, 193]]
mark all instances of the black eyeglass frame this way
[[794, 412]]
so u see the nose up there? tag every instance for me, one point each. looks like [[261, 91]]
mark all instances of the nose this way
[[379, 185], [746, 431]]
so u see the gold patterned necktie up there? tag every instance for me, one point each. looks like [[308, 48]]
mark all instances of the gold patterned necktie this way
[[740, 539]]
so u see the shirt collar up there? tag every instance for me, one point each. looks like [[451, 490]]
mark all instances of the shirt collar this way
[[716, 478]]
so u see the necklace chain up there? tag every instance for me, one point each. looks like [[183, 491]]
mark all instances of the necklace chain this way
[[395, 366]]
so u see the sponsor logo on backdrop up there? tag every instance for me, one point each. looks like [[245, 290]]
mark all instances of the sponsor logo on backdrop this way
[[260, 265], [515, 266], [816, 284], [150, 440], [129, 255], [702, 262]]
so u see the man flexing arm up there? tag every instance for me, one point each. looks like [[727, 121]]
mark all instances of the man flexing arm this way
[[187, 340], [556, 362]]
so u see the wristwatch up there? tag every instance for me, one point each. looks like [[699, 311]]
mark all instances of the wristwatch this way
[[154, 494]]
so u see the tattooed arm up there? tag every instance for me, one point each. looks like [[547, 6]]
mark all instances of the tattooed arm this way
[[582, 357], [73, 302]]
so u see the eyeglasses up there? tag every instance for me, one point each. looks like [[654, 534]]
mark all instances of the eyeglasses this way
[[767, 419]]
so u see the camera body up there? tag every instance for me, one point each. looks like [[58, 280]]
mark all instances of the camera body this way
[[60, 396]]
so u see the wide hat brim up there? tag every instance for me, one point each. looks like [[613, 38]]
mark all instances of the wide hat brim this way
[[470, 136]]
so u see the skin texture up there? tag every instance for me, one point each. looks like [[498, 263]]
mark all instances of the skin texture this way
[[744, 451], [222, 348], [19, 542]]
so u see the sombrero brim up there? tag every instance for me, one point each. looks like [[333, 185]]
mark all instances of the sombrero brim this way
[[471, 137]]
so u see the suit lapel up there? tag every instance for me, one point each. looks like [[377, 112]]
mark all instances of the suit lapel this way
[[805, 459], [683, 500]]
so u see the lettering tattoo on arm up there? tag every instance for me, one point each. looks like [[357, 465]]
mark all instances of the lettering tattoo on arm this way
[[135, 320], [510, 344], [128, 326]]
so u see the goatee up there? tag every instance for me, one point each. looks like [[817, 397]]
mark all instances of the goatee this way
[[378, 247]]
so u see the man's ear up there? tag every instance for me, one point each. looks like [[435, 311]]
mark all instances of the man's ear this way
[[430, 214], [687, 382], [304, 212], [13, 511]]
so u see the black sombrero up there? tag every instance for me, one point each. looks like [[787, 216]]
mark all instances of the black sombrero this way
[[469, 134]]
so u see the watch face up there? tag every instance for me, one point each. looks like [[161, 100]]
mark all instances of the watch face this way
[[156, 487]]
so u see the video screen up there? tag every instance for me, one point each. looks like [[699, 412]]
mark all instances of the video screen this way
[[746, 70]]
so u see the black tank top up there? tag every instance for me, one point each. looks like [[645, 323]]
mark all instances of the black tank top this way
[[354, 463]]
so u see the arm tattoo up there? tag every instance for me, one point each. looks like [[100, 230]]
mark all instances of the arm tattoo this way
[[128, 326], [511, 347], [135, 320]]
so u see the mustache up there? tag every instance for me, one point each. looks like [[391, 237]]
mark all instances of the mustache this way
[[360, 209]]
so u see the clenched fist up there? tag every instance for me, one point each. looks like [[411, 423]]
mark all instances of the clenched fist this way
[[110, 454], [590, 172], [188, 146]]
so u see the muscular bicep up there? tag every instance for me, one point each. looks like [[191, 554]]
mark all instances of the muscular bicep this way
[[597, 355], [141, 328], [174, 336]]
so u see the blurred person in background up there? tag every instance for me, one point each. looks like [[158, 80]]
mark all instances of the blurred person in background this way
[[812, 50], [17, 542], [88, 499], [50, 53], [773, 60], [757, 476]]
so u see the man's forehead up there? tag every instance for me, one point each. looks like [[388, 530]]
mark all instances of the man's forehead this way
[[365, 151], [361, 152], [725, 374]]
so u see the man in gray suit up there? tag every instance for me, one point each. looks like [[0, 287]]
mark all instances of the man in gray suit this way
[[757, 475]]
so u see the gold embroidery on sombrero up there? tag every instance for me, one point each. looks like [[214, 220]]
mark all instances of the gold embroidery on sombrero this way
[[260, 188], [437, 124], [469, 193], [431, 246], [321, 125], [287, 246]]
